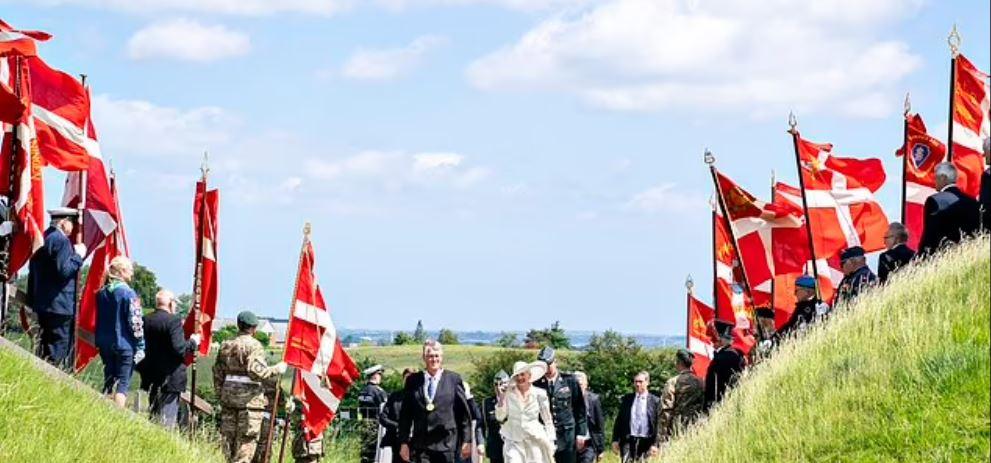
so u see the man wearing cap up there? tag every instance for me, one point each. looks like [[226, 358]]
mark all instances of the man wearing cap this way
[[808, 308], [567, 408], [241, 375], [949, 215], [726, 365], [490, 424], [897, 255], [434, 416], [370, 400], [596, 445], [634, 433], [857, 276], [682, 400], [51, 291]]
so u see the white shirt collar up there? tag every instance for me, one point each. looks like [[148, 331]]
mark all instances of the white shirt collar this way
[[947, 186]]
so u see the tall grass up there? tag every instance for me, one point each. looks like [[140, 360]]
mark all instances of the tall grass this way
[[903, 374]]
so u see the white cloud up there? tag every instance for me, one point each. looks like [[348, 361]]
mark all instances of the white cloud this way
[[144, 129], [390, 63], [524, 5], [733, 55], [233, 7], [187, 40], [664, 198], [394, 170]]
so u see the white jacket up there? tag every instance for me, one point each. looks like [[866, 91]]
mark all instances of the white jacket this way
[[521, 419]]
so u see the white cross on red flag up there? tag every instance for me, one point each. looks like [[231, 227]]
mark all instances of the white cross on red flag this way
[[313, 347]]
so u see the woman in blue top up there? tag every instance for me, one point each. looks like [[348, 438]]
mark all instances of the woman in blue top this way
[[119, 329]]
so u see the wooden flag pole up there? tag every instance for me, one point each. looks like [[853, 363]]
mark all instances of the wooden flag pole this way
[[81, 208], [285, 429], [793, 130], [954, 41], [270, 432], [721, 202], [198, 293]]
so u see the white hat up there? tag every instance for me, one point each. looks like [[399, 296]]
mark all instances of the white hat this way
[[373, 369], [536, 369]]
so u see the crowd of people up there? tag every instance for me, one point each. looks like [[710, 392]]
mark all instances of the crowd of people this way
[[539, 414]]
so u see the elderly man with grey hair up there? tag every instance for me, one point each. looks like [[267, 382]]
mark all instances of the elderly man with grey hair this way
[[897, 255], [949, 215], [163, 372]]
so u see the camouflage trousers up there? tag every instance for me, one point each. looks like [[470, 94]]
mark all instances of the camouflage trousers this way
[[240, 429], [306, 452], [264, 442]]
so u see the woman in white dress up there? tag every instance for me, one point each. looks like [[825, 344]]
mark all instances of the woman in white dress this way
[[520, 409]]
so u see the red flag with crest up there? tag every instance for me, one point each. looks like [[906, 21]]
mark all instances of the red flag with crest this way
[[205, 208], [971, 124], [924, 153], [699, 339]]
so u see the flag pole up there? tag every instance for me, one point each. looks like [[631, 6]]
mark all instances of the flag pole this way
[[285, 429], [198, 292], [905, 154], [721, 201], [793, 130], [270, 432], [12, 193], [715, 270], [774, 193], [954, 41], [690, 289], [81, 207]]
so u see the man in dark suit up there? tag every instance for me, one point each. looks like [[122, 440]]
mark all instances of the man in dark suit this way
[[163, 372], [567, 408], [434, 416], [490, 424], [596, 423], [986, 187], [725, 368], [949, 215], [634, 433], [389, 419], [898, 254], [52, 287]]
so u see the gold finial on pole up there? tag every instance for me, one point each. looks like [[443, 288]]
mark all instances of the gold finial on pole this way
[[307, 229], [774, 179], [708, 157], [205, 166], [690, 283], [792, 122], [954, 40], [908, 103]]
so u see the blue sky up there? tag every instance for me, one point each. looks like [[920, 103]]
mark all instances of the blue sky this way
[[482, 164]]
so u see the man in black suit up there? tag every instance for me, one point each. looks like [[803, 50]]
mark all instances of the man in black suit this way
[[725, 368], [898, 254], [490, 424], [434, 416], [634, 433], [163, 371], [596, 423], [567, 408], [949, 215], [389, 419], [986, 187]]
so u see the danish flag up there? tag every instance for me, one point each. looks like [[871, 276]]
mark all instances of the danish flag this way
[[700, 316], [971, 100]]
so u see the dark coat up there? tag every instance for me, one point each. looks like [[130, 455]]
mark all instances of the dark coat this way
[[370, 400], [892, 260], [441, 429], [986, 199], [804, 314], [853, 284], [165, 351], [622, 427], [724, 370], [596, 422], [567, 408], [389, 418], [52, 275], [490, 428], [948, 216]]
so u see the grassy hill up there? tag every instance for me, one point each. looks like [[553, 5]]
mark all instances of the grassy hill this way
[[43, 419], [902, 375]]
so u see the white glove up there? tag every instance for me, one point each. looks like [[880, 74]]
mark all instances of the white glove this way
[[196, 338], [290, 406], [280, 367], [765, 345], [139, 356], [80, 249], [822, 308]]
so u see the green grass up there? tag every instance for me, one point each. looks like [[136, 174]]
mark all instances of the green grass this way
[[42, 419], [457, 358], [902, 375]]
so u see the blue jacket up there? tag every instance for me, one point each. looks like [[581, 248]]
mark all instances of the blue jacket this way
[[119, 323], [52, 275]]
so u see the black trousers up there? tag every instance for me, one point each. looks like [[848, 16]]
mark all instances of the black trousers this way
[[632, 449], [588, 454], [566, 451], [431, 456], [56, 337]]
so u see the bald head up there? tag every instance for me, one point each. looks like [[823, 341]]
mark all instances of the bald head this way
[[165, 300]]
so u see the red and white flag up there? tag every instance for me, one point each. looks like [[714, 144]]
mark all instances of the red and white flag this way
[[313, 347], [971, 100], [733, 303], [205, 208], [114, 245], [27, 187], [925, 152], [15, 42], [840, 195], [60, 106], [700, 316]]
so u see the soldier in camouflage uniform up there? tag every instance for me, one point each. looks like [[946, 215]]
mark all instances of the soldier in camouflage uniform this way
[[682, 400], [263, 436], [239, 374]]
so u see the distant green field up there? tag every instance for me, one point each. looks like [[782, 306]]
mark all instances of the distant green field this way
[[457, 358], [902, 375]]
